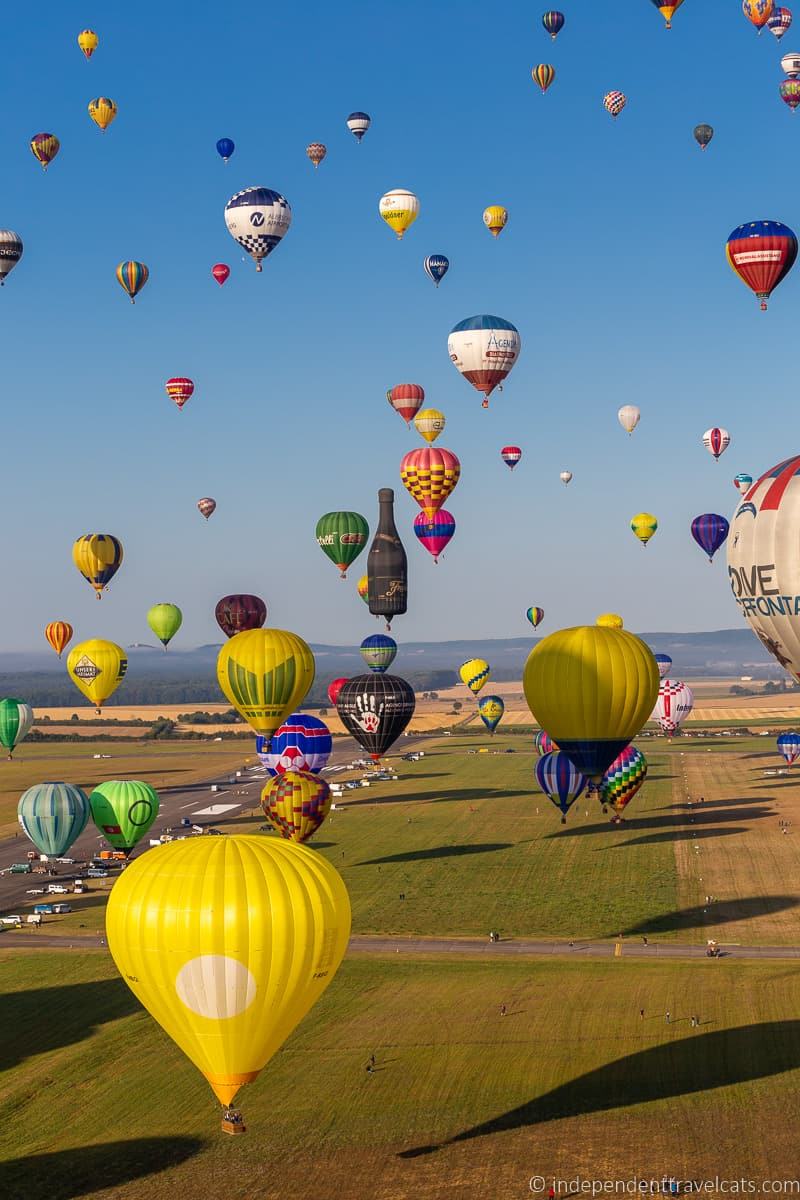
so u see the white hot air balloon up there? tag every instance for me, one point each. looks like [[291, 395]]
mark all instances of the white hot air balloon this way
[[484, 349], [10, 252], [716, 441], [675, 702], [258, 218], [764, 561], [629, 417], [358, 123], [565, 477], [399, 208], [790, 65]]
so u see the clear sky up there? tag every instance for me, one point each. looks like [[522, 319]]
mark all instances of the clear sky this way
[[612, 267]]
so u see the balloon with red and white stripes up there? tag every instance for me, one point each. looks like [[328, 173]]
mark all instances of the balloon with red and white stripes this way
[[675, 702], [179, 389], [716, 441], [511, 456]]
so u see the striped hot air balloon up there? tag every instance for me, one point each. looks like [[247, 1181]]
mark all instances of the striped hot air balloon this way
[[484, 349], [406, 399], [179, 389], [59, 635], [434, 533], [511, 456], [762, 253], [543, 75], [560, 780], [716, 441], [132, 276]]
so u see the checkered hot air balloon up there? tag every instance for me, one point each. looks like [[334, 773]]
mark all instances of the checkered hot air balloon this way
[[296, 804], [258, 218], [614, 102], [429, 475], [622, 781]]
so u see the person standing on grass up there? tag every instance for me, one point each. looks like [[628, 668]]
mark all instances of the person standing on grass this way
[[641, 1014], [502, 1010], [667, 1017]]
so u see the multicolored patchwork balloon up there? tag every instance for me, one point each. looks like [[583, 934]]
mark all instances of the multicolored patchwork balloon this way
[[535, 616], [623, 779], [296, 804], [429, 475]]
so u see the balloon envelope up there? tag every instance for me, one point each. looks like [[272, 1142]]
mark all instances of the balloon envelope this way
[[123, 810], [664, 662], [762, 253], [429, 475], [560, 780], [98, 557], [490, 711], [399, 209], [97, 667], [644, 526], [623, 779], [716, 441], [220, 271], [165, 620], [16, 719], [629, 416], [258, 218], [475, 673], [535, 616], [436, 532], [436, 267], [789, 746], [375, 709], [265, 673], [296, 803], [335, 687], [429, 423], [240, 612], [53, 816], [302, 743], [673, 705], [710, 530], [225, 148], [484, 349], [511, 456], [59, 635], [342, 536], [406, 399], [378, 651]]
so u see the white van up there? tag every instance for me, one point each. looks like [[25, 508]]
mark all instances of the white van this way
[[57, 889]]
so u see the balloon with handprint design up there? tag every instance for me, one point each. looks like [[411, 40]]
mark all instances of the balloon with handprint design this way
[[375, 709]]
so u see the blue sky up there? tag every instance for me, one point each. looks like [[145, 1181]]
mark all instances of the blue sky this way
[[612, 267]]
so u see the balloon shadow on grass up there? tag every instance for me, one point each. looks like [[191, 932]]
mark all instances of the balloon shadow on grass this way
[[40, 1020], [69, 1174], [470, 794], [721, 912], [678, 835], [685, 1065], [671, 825], [436, 852]]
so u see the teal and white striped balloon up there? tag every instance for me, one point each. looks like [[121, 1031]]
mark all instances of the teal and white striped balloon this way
[[16, 718], [53, 816]]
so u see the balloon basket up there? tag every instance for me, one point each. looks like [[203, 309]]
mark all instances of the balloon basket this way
[[233, 1123]]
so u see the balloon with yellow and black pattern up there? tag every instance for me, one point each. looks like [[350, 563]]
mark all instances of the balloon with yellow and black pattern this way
[[98, 557]]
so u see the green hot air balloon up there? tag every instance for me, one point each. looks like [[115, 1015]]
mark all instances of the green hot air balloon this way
[[123, 810], [342, 535], [16, 718], [165, 620], [53, 816]]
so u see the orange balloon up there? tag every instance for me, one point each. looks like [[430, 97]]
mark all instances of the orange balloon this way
[[59, 634]]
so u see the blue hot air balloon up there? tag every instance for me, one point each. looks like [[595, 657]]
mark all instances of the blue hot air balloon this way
[[490, 710], [225, 148], [378, 652], [789, 746], [436, 267], [553, 22], [664, 663], [560, 780], [302, 743], [53, 815], [709, 531]]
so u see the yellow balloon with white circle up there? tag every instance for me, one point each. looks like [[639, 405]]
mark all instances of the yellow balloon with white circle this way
[[495, 218], [228, 942], [429, 423], [399, 209]]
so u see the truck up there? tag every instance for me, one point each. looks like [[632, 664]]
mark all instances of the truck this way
[[34, 919]]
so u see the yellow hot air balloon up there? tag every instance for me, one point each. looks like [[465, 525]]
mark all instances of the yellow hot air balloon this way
[[610, 621], [88, 42], [668, 10], [495, 218], [96, 667], [265, 673], [644, 526], [228, 942], [475, 672], [429, 424], [592, 688], [102, 111], [98, 557], [399, 209]]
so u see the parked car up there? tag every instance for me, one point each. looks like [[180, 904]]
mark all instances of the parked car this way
[[68, 862], [43, 908], [21, 868], [95, 873], [57, 889], [12, 922]]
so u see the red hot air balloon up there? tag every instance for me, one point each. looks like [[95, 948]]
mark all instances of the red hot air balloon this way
[[220, 271], [406, 399], [179, 389], [207, 506], [334, 688], [237, 613], [511, 456], [762, 253], [435, 532]]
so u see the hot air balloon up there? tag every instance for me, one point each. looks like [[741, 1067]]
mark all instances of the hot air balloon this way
[[399, 209], [742, 482], [543, 75], [342, 536], [316, 152], [378, 651], [511, 456], [592, 689], [667, 10], [358, 123], [10, 252], [623, 779], [788, 744], [703, 135], [228, 982], [406, 399], [165, 620], [265, 673], [484, 349], [758, 12], [97, 667], [88, 42], [762, 253], [44, 148], [610, 621], [53, 816], [240, 612], [764, 565], [296, 803], [429, 475], [544, 744], [716, 441], [98, 557], [207, 505], [362, 587], [560, 781], [16, 719], [179, 389], [257, 218], [132, 276], [566, 477], [436, 267], [553, 22], [779, 22], [58, 634], [644, 525], [429, 423], [220, 271], [103, 111], [434, 533], [495, 218], [790, 92], [375, 709], [490, 711], [790, 64], [334, 688], [225, 148], [475, 673], [629, 416], [614, 102], [709, 531], [123, 810], [301, 743], [535, 616], [663, 662], [673, 705]]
